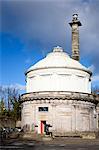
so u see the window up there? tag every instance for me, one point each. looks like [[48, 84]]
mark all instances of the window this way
[[80, 76], [46, 75], [43, 109], [32, 77], [64, 74]]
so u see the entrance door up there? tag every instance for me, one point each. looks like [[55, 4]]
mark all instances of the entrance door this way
[[43, 127]]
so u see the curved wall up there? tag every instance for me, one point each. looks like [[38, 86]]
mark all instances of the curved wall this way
[[63, 115], [58, 79]]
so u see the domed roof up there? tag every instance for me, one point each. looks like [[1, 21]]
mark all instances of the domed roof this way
[[57, 58]]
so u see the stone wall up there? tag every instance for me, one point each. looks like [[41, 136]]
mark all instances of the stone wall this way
[[63, 115]]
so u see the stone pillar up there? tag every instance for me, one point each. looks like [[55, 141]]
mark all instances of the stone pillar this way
[[75, 36]]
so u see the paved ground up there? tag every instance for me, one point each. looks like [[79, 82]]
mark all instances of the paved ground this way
[[56, 144]]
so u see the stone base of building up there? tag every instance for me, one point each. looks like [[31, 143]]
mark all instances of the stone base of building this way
[[32, 136], [83, 135], [90, 135], [43, 137]]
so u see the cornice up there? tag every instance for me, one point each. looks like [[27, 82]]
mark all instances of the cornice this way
[[88, 71], [60, 96]]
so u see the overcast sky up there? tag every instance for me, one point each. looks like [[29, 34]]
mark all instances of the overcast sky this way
[[30, 29]]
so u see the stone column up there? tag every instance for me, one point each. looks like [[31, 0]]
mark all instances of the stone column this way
[[75, 36]]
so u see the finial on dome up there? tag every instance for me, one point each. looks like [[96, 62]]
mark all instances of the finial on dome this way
[[57, 49]]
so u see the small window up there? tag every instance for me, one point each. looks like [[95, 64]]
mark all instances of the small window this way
[[80, 76], [32, 77], [46, 75], [64, 75], [43, 109]]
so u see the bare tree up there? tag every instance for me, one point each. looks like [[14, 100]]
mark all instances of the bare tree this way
[[10, 98]]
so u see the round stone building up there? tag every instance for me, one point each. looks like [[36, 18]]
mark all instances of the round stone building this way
[[58, 93]]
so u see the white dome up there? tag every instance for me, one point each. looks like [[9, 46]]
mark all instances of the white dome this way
[[58, 72], [57, 58]]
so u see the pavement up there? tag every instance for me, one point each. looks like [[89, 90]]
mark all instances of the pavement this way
[[55, 144]]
